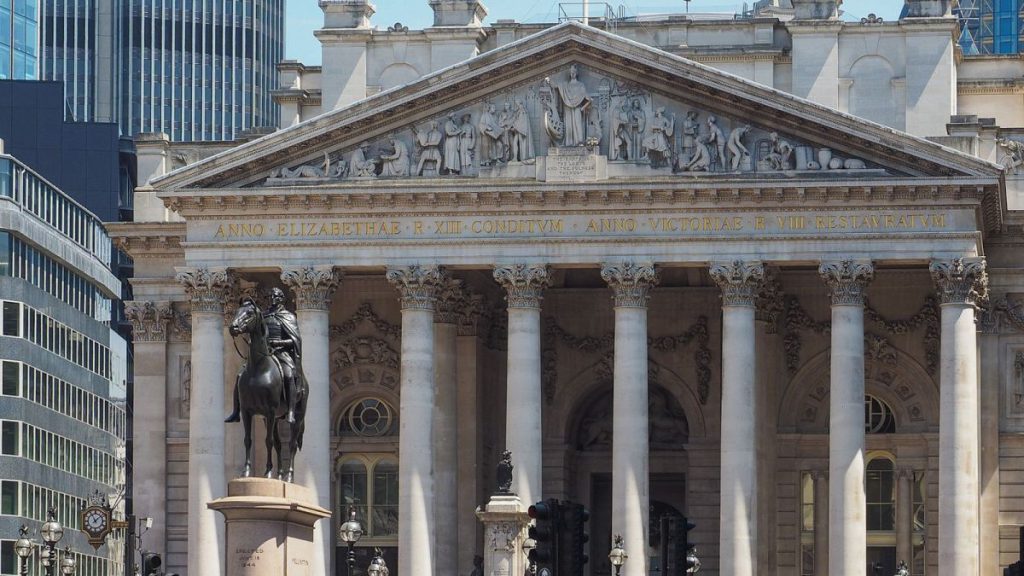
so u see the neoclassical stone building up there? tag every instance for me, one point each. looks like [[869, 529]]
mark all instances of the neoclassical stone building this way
[[661, 286]]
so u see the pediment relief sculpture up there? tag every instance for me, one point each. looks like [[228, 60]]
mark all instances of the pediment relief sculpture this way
[[578, 124]]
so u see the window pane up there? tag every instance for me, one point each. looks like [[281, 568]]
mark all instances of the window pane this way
[[353, 489], [881, 495], [8, 497], [10, 376], [9, 438], [11, 312], [385, 498]]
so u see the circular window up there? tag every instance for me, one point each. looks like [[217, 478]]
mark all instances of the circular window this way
[[370, 417], [878, 416]]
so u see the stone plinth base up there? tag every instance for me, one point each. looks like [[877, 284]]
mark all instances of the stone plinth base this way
[[505, 522], [269, 528]]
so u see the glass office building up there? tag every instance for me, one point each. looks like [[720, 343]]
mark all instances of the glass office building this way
[[19, 39], [63, 369], [991, 26]]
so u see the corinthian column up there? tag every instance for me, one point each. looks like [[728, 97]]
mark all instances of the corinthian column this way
[[524, 284], [631, 282], [313, 288], [847, 553], [740, 282], [450, 302], [961, 282], [206, 481], [418, 286]]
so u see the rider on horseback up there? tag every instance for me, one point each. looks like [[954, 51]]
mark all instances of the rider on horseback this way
[[286, 346]]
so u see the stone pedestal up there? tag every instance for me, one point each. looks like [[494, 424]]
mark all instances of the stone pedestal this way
[[269, 528], [505, 522]]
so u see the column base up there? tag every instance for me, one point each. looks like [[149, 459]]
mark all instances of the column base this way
[[270, 527], [505, 522]]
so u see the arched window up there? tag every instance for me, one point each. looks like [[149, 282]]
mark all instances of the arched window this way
[[878, 416], [368, 417]]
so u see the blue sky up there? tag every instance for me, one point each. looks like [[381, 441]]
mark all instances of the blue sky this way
[[304, 16]]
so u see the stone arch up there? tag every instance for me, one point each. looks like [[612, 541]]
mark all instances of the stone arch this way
[[362, 366], [890, 374], [397, 74], [575, 396], [872, 92]]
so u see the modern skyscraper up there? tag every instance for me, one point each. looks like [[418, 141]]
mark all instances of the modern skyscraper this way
[[18, 45], [991, 26], [63, 369]]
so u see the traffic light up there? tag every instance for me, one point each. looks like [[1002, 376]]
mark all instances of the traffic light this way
[[546, 517], [573, 545], [682, 558], [151, 563]]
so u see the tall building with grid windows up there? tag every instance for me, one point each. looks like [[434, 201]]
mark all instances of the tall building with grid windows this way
[[63, 369], [18, 45], [991, 26]]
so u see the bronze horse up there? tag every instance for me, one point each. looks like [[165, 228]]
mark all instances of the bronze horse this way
[[261, 393]]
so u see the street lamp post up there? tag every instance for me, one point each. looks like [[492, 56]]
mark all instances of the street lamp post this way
[[377, 566], [351, 531], [51, 533], [24, 549], [618, 555]]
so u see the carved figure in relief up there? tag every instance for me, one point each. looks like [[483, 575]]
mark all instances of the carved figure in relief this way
[[429, 142], [658, 144], [575, 102], [637, 127], [520, 138], [467, 143], [716, 143], [362, 167], [1014, 154], [780, 155], [491, 149], [505, 123], [736, 148], [305, 170], [452, 145], [553, 124], [691, 130], [701, 161], [397, 162], [622, 142]]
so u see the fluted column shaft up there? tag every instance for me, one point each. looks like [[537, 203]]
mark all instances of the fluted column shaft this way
[[960, 282], [524, 285], [418, 287], [847, 554], [631, 282], [206, 478], [820, 523], [740, 283], [449, 303], [314, 288]]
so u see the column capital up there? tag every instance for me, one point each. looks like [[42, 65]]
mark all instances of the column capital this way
[[524, 283], [417, 285], [148, 319], [451, 300], [846, 280], [206, 288], [313, 286], [471, 313], [740, 281], [630, 281], [960, 280]]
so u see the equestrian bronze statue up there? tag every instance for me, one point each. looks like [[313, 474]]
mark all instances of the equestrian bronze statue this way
[[270, 383]]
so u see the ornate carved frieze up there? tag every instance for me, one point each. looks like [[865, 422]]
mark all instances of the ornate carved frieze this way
[[451, 301], [207, 289], [524, 284], [555, 335], [364, 356], [417, 285], [148, 319], [961, 280], [365, 314], [1013, 154], [846, 280], [313, 286], [769, 303], [631, 282], [180, 325], [740, 281]]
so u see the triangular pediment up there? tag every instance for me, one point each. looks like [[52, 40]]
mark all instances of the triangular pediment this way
[[576, 103]]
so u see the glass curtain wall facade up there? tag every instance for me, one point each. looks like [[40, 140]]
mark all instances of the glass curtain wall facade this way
[[76, 48], [991, 26], [199, 69], [19, 39]]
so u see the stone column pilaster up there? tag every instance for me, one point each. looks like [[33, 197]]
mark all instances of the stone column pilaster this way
[[149, 336], [470, 425], [450, 301], [820, 522], [524, 284], [846, 280], [961, 283], [904, 515], [631, 282], [418, 287], [313, 288], [740, 283], [206, 479]]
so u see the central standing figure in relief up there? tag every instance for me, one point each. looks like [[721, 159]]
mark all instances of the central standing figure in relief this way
[[576, 102]]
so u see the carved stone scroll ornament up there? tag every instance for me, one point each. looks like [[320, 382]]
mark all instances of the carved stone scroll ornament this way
[[961, 280], [366, 314], [417, 285], [148, 320], [471, 315], [451, 300], [846, 280], [740, 281], [770, 304], [1018, 373], [206, 288], [1013, 154], [180, 325], [631, 282], [313, 286], [524, 283]]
